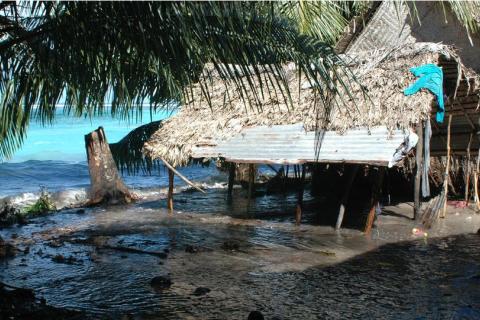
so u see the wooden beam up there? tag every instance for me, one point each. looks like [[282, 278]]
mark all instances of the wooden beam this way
[[343, 201], [170, 190], [418, 172], [447, 169], [298, 211], [181, 176], [376, 191]]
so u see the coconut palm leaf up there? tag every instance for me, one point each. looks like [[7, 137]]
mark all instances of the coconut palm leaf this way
[[88, 54], [128, 153], [325, 20]]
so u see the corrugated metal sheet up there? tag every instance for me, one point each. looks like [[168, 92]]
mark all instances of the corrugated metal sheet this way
[[290, 144]]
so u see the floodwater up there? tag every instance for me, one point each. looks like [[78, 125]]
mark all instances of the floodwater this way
[[264, 263]]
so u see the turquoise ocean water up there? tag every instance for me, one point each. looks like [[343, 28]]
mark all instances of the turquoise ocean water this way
[[64, 139], [54, 157]]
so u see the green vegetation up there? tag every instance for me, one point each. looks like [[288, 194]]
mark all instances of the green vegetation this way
[[43, 205], [10, 214]]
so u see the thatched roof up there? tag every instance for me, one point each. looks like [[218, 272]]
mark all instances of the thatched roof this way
[[384, 75]]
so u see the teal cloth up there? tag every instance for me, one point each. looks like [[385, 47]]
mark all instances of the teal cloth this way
[[430, 78]]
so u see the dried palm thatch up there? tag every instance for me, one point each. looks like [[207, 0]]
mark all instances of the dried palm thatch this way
[[383, 74]]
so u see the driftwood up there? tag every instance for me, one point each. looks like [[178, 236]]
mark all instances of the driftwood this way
[[106, 184], [431, 212], [162, 255]]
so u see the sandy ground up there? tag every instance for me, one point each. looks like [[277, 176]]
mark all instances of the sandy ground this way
[[396, 224]]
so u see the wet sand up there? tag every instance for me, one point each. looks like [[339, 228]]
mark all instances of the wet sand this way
[[283, 270]]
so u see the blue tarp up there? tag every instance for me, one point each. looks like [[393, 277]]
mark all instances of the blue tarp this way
[[430, 78]]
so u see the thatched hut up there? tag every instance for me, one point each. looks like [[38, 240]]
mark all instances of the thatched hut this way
[[380, 46], [200, 129], [369, 128]]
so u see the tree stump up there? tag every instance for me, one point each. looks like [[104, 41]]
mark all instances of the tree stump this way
[[107, 187]]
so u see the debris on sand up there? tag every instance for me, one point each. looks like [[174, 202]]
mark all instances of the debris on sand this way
[[20, 303], [7, 250], [66, 260], [231, 245], [160, 283], [255, 315], [201, 291]]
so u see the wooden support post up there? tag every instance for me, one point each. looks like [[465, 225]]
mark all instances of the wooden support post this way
[[343, 201], [376, 192], [418, 172], [251, 181], [447, 168], [231, 178], [468, 171], [170, 190], [475, 183], [298, 211], [181, 176]]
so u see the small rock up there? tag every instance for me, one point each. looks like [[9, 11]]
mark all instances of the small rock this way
[[7, 250], [160, 283], [201, 291], [61, 259], [231, 245], [55, 244], [191, 249], [255, 315]]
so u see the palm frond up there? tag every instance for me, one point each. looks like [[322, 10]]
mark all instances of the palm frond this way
[[125, 53], [128, 153]]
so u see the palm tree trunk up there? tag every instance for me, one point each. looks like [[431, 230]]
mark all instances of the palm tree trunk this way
[[106, 184]]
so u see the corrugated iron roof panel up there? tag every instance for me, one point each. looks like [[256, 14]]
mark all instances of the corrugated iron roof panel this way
[[284, 144]]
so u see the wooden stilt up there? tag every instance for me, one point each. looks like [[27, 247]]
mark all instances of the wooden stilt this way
[[447, 169], [468, 171], [418, 173], [376, 191], [231, 178], [475, 183], [181, 176], [170, 190], [251, 181], [343, 201], [298, 211]]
